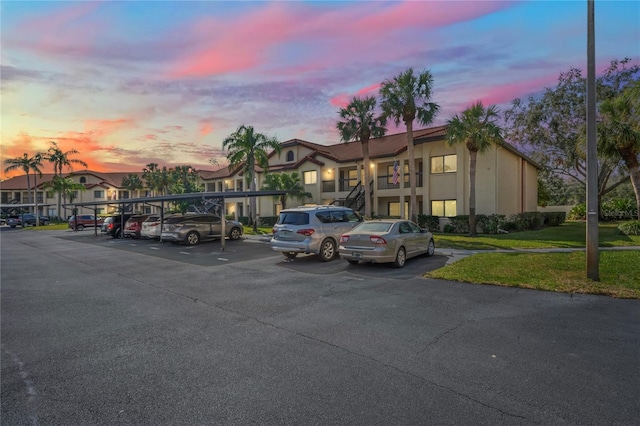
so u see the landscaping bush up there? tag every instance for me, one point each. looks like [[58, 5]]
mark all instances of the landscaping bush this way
[[630, 228], [511, 226], [459, 224], [527, 220], [554, 218], [619, 209], [432, 223], [579, 212], [268, 220], [489, 224], [448, 228]]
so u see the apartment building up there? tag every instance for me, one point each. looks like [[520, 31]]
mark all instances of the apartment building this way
[[506, 180]]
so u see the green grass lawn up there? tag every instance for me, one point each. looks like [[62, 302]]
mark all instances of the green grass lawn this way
[[561, 272]]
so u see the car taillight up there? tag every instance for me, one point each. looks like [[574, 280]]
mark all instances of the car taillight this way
[[377, 240], [344, 239], [111, 226], [306, 232], [273, 231]]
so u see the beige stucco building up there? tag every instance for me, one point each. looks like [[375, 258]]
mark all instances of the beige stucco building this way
[[506, 180]]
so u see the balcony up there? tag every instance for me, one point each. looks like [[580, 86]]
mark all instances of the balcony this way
[[386, 181]]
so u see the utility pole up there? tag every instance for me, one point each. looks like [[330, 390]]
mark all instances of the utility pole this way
[[592, 150]]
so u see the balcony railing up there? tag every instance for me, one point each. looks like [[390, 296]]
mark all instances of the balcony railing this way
[[347, 184], [328, 186], [386, 181]]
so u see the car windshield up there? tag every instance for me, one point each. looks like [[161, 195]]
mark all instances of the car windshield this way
[[372, 227]]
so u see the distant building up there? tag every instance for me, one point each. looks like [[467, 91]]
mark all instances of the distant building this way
[[506, 180]]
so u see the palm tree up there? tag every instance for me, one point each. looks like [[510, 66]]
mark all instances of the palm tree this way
[[150, 176], [290, 183], [27, 164], [249, 149], [619, 133], [406, 98], [65, 186], [476, 128], [360, 125], [132, 182], [61, 159]]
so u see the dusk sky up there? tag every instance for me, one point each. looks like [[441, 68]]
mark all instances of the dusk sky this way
[[127, 83]]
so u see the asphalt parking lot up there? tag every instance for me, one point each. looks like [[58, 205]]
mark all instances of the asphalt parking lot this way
[[95, 331], [253, 248]]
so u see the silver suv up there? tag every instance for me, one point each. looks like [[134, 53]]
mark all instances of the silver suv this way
[[193, 228], [312, 230]]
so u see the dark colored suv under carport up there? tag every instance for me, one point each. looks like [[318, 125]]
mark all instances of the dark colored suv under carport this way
[[112, 225]]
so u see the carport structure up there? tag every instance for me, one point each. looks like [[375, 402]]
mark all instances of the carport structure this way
[[162, 199]]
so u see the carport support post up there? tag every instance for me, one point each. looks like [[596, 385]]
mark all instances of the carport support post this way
[[95, 221], [161, 218], [223, 225]]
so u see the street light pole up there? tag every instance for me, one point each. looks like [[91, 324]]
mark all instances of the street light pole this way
[[592, 151]]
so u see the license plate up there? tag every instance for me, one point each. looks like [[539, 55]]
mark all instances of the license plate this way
[[286, 232], [356, 254]]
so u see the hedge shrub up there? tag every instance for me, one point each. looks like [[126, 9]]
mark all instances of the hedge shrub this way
[[630, 228], [432, 223]]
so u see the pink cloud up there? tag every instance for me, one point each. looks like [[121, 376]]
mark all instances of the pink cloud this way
[[205, 128], [66, 31], [249, 41]]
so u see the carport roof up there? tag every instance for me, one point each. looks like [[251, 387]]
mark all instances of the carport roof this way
[[180, 197]]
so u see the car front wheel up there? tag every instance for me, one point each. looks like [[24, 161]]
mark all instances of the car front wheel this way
[[193, 238], [327, 250], [79, 227], [401, 258]]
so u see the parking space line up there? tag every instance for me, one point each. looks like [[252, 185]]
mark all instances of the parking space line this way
[[222, 258], [184, 252]]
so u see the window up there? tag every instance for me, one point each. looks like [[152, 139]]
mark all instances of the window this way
[[98, 194], [83, 179], [353, 178], [310, 178], [124, 195], [394, 209], [444, 164], [445, 208], [289, 155]]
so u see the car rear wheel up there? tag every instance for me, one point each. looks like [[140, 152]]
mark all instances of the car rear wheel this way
[[79, 227], [193, 238], [235, 234], [401, 258], [431, 248], [290, 255], [327, 250]]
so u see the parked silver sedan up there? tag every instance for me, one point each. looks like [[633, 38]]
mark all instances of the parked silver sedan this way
[[193, 228], [384, 241]]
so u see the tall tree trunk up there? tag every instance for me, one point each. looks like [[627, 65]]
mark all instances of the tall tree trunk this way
[[35, 188], [631, 161], [473, 155], [413, 211], [29, 191], [59, 206], [367, 178]]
